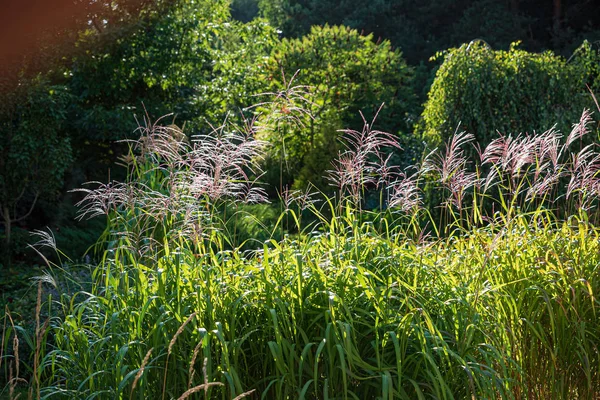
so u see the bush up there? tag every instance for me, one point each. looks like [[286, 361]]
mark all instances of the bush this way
[[482, 91], [322, 81]]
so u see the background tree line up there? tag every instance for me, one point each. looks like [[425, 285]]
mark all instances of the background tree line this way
[[75, 82], [422, 28]]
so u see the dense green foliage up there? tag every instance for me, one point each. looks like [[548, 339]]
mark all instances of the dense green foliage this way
[[466, 276], [35, 151], [122, 60], [482, 91], [344, 309], [422, 28], [324, 80]]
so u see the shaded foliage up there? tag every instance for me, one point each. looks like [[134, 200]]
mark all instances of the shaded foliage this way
[[35, 152], [422, 28]]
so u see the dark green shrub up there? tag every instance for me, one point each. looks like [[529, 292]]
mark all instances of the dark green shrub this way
[[483, 92], [339, 72]]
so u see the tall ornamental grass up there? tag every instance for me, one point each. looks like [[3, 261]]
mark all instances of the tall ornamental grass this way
[[496, 300]]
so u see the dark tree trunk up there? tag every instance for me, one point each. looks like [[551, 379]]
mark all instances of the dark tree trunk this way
[[556, 15], [514, 6], [7, 233]]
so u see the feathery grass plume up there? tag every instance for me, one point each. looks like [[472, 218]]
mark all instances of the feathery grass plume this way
[[585, 180], [368, 141], [284, 109], [500, 151], [349, 176], [548, 168], [177, 180], [288, 197], [548, 150], [158, 143], [357, 166], [141, 371], [45, 239], [386, 172], [170, 348], [290, 104], [451, 168], [513, 158], [105, 198], [199, 388], [509, 154], [251, 193], [303, 199], [581, 128], [406, 194], [191, 370], [219, 164], [540, 188]]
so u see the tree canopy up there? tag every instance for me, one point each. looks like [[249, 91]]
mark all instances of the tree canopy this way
[[422, 28]]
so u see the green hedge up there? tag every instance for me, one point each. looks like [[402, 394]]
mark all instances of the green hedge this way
[[483, 91]]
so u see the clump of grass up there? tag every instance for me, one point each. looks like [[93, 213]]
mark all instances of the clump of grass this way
[[496, 301]]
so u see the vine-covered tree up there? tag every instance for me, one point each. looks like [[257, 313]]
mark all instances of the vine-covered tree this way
[[482, 91]]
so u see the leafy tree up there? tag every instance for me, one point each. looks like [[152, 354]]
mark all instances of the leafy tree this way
[[111, 57], [163, 62], [422, 28], [35, 151], [336, 74], [238, 57], [483, 91]]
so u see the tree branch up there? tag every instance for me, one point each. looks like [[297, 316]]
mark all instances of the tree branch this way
[[18, 198], [98, 28], [21, 218]]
